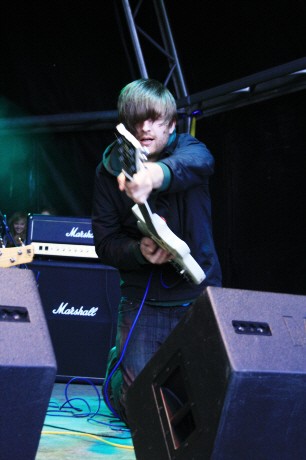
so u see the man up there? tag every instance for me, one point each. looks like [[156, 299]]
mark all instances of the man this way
[[175, 184]]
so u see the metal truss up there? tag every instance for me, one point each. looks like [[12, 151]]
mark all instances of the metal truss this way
[[271, 83], [274, 82], [284, 79], [167, 49]]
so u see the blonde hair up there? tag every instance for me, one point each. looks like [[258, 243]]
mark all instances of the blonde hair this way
[[145, 99]]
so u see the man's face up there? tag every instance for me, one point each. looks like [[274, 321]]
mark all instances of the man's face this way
[[154, 135]]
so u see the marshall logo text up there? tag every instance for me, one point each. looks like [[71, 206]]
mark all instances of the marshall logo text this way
[[63, 310], [75, 233]]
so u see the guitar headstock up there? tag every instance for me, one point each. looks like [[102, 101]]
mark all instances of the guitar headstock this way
[[16, 255], [131, 153]]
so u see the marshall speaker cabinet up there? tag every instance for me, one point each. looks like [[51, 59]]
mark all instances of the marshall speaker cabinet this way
[[79, 295], [80, 301], [229, 382]]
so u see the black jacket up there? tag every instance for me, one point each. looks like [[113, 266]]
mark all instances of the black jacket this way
[[186, 207]]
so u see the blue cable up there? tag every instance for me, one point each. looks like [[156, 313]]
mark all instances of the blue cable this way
[[105, 386], [68, 400]]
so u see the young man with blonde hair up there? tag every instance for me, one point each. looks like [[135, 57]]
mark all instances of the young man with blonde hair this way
[[175, 183]]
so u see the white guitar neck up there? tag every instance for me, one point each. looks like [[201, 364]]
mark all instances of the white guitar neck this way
[[151, 224]]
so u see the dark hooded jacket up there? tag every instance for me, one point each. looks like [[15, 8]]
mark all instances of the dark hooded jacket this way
[[183, 201]]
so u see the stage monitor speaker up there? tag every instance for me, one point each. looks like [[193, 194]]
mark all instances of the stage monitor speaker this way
[[229, 382], [27, 365], [80, 300]]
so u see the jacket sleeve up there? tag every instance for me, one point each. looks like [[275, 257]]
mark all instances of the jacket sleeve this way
[[190, 164], [115, 231]]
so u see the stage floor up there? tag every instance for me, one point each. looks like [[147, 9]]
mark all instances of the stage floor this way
[[78, 425]]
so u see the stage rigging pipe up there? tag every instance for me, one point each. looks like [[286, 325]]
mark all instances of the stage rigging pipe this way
[[134, 35], [181, 90], [64, 119]]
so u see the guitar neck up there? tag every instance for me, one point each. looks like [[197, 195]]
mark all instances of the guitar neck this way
[[147, 215], [152, 225], [10, 257]]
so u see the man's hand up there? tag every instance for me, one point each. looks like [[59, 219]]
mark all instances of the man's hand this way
[[144, 181], [153, 253]]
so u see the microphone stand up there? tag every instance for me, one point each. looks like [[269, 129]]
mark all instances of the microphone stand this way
[[6, 229]]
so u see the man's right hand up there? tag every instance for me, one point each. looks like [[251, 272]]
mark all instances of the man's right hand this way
[[144, 181], [153, 253]]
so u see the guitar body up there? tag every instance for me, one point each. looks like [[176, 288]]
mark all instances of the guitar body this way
[[166, 239], [151, 224]]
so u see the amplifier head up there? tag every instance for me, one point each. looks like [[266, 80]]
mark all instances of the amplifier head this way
[[59, 229], [57, 236]]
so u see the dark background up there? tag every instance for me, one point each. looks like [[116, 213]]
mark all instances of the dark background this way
[[63, 58]]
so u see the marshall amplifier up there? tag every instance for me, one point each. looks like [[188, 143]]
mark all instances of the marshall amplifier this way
[[53, 236], [80, 301]]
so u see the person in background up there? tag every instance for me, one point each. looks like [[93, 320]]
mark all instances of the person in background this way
[[175, 182], [48, 211], [18, 229]]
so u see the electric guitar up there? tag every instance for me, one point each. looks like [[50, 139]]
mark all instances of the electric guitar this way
[[16, 255], [132, 158]]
